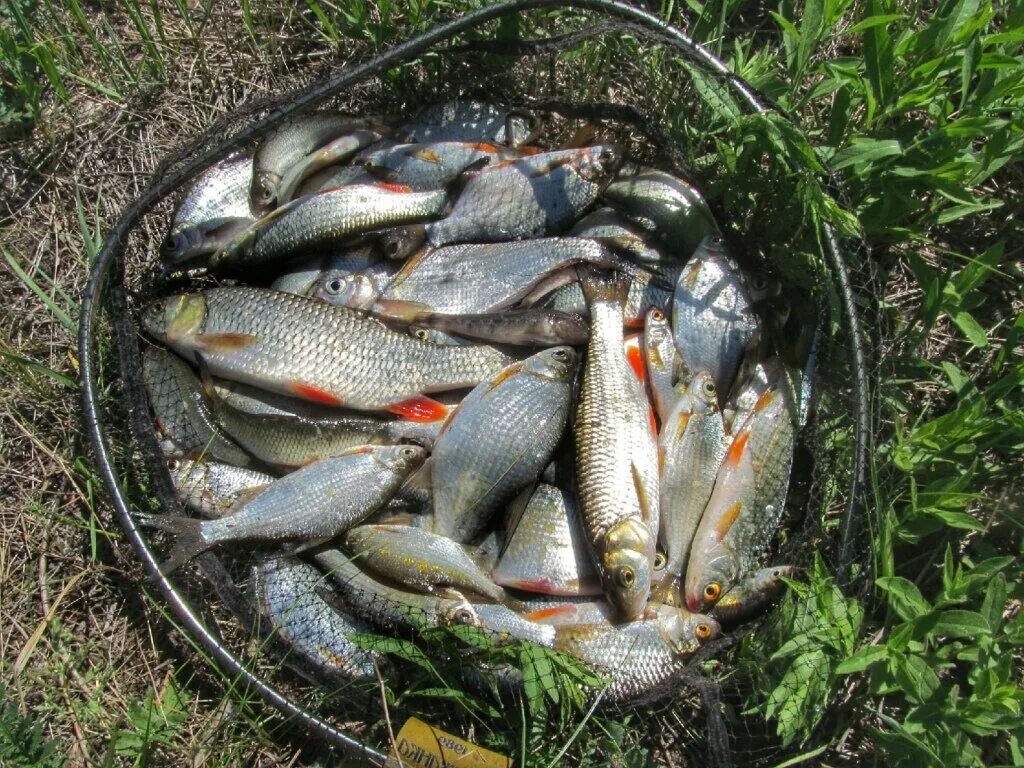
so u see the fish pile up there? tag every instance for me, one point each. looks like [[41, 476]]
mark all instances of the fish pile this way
[[447, 376]]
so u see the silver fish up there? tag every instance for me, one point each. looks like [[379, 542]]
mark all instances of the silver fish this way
[[289, 595], [499, 440], [220, 192], [546, 550], [533, 327], [334, 176], [566, 611], [338, 150], [617, 232], [659, 349], [432, 165], [753, 595], [646, 289], [213, 489], [303, 277], [315, 503], [192, 243], [468, 121]]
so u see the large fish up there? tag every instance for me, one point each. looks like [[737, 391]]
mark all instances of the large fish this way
[[641, 660], [712, 316], [666, 205], [219, 192], [315, 503], [328, 219], [213, 489], [395, 610], [616, 455], [468, 121], [303, 347], [546, 550], [419, 559], [753, 595], [659, 351], [536, 195], [289, 594], [182, 415], [291, 145], [499, 440], [435, 164], [692, 445]]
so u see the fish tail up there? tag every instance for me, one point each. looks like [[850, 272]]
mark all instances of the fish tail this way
[[188, 539], [601, 286]]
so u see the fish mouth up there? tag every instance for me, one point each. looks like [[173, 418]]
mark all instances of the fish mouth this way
[[693, 603]]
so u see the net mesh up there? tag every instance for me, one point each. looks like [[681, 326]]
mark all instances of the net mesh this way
[[735, 695]]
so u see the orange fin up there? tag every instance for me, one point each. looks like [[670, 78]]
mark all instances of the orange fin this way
[[739, 445], [635, 359], [727, 519], [504, 375], [419, 408], [398, 309], [224, 343], [765, 400], [684, 420], [393, 187], [426, 155], [311, 393], [550, 613], [652, 421]]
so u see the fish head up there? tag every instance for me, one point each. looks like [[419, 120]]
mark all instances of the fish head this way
[[402, 242], [627, 562], [763, 287], [704, 586], [458, 612], [704, 392], [264, 189], [177, 246], [556, 364], [175, 317], [698, 629], [403, 459], [599, 163], [344, 290]]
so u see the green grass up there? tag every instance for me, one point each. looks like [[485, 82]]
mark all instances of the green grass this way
[[920, 110]]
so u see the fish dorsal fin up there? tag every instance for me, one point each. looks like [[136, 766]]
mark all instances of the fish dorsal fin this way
[[515, 512]]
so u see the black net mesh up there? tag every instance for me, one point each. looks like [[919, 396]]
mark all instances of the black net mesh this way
[[764, 690]]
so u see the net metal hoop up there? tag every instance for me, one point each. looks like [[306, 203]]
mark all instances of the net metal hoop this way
[[115, 243]]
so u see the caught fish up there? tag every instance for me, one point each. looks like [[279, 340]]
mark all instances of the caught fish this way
[[546, 550], [530, 197], [289, 595], [753, 595], [334, 176], [435, 336], [396, 610], [291, 145], [659, 349], [339, 150], [213, 489], [647, 289], [712, 318], [641, 659], [314, 503], [468, 121], [563, 611], [535, 327], [419, 559], [433, 165], [308, 349], [191, 243], [355, 290], [692, 445], [616, 232], [616, 456], [328, 219], [182, 415], [665, 204], [303, 277], [499, 440], [219, 192]]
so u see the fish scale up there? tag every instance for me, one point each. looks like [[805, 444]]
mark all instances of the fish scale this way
[[432, 165], [220, 192], [659, 359], [213, 489], [306, 348]]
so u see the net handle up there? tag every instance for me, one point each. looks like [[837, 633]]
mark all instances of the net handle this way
[[115, 243]]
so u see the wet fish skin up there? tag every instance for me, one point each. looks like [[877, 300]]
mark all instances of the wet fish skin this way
[[432, 165], [314, 503], [660, 359], [534, 196], [419, 559], [220, 192], [336, 151], [567, 611], [192, 243], [339, 357], [616, 455], [301, 278], [332, 177], [713, 321], [535, 327], [675, 210], [435, 336], [499, 440], [213, 489], [617, 232], [752, 595], [181, 412], [647, 289], [288, 593], [356, 290], [467, 121], [400, 243], [642, 659], [546, 550], [692, 446], [295, 139]]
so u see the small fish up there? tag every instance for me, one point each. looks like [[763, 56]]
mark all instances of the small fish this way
[[326, 220], [188, 245], [712, 317], [219, 192], [213, 489], [355, 290], [499, 440], [536, 327], [402, 242], [545, 549], [419, 559], [692, 445], [659, 350], [666, 205], [432, 165], [641, 659], [289, 595], [181, 413], [468, 121], [753, 595], [533, 196], [616, 232], [301, 278], [563, 611], [290, 144], [329, 355], [338, 150], [646, 289], [315, 503], [334, 176], [616, 455]]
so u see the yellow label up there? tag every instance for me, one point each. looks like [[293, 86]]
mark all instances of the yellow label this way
[[419, 745]]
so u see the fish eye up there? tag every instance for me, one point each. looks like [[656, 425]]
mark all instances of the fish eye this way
[[171, 243], [420, 333], [660, 561], [462, 616], [334, 286], [560, 354], [702, 631], [712, 590], [658, 315], [709, 388], [391, 248], [173, 464], [625, 577], [407, 453], [759, 282]]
